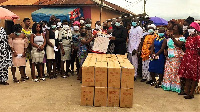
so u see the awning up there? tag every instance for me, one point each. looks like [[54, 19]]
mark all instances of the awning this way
[[44, 14], [7, 14]]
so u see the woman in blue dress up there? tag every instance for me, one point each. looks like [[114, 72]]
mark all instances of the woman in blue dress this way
[[156, 65]]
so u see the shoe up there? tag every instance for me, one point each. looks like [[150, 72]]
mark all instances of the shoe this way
[[4, 83], [26, 78], [43, 79], [64, 76], [182, 93], [23, 79], [15, 80], [153, 83], [135, 79], [158, 86], [143, 80], [189, 96], [149, 82], [36, 80]]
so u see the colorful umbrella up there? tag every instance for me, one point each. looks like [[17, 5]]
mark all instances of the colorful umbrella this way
[[7, 14], [158, 21]]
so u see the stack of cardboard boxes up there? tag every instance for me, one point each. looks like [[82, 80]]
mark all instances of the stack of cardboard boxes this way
[[107, 80]]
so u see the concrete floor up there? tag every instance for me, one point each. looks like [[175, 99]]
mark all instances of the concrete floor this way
[[63, 95]]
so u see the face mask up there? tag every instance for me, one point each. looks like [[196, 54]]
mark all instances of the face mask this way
[[53, 26], [134, 23], [161, 34], [150, 31], [43, 29], [191, 31], [76, 28], [65, 27], [83, 34], [185, 27], [17, 34], [98, 27], [117, 24], [88, 25], [59, 24], [82, 21]]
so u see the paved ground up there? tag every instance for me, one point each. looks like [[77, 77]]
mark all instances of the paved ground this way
[[63, 95]]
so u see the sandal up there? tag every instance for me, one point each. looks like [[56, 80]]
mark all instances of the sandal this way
[[43, 79], [26, 77], [64, 76], [153, 83], [149, 82], [189, 96], [15, 80], [158, 86], [23, 79], [36, 80], [4, 83]]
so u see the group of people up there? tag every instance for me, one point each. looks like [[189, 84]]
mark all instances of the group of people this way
[[171, 52]]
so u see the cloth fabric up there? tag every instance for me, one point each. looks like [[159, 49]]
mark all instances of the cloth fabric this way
[[145, 72], [120, 33], [65, 38], [19, 44], [28, 35], [195, 25], [38, 56], [149, 39], [82, 51], [75, 37], [157, 65], [135, 36], [190, 65], [134, 61], [171, 80], [50, 51], [5, 56]]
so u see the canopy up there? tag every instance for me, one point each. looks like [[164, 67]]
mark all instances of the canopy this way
[[7, 14], [158, 21], [44, 14]]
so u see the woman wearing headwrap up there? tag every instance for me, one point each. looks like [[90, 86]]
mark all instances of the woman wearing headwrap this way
[[189, 68], [5, 57], [175, 41], [148, 41]]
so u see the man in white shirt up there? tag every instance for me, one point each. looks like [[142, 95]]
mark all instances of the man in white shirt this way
[[135, 35]]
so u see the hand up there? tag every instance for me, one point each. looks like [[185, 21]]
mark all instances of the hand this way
[[63, 52], [23, 54], [112, 38], [41, 48], [165, 53], [153, 56], [133, 52], [138, 54], [15, 54]]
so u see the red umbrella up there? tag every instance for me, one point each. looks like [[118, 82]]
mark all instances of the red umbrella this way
[[7, 14]]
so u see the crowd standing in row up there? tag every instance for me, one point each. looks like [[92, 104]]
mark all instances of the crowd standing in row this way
[[172, 53]]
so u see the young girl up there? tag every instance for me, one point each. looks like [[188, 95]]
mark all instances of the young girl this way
[[38, 42], [18, 43]]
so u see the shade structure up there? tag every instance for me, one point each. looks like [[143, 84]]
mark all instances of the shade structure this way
[[44, 14], [158, 21], [7, 14]]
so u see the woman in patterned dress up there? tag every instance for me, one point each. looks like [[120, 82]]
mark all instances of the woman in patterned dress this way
[[18, 43], [171, 80], [156, 65], [190, 65], [82, 49], [5, 57]]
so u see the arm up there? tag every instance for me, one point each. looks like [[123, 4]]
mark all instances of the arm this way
[[152, 49], [178, 43], [164, 44], [32, 41], [139, 38], [42, 46], [47, 39], [87, 41]]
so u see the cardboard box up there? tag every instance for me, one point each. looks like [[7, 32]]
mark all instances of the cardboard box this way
[[100, 98], [101, 74], [126, 97], [127, 75], [88, 73], [87, 96], [114, 72], [113, 97]]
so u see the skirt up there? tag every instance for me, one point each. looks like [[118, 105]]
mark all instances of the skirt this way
[[67, 55], [37, 56], [50, 51]]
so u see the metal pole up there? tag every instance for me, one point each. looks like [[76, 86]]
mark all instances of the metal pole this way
[[144, 6]]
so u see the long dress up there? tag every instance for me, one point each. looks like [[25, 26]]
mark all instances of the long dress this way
[[171, 80], [157, 65], [5, 56], [82, 51], [19, 44], [29, 48], [190, 65], [149, 39]]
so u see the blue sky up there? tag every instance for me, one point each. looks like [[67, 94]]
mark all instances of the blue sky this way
[[167, 9]]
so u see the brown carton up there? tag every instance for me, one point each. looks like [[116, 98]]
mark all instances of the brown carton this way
[[127, 75], [113, 97], [100, 98], [114, 72], [126, 97], [101, 74], [87, 96], [88, 73]]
